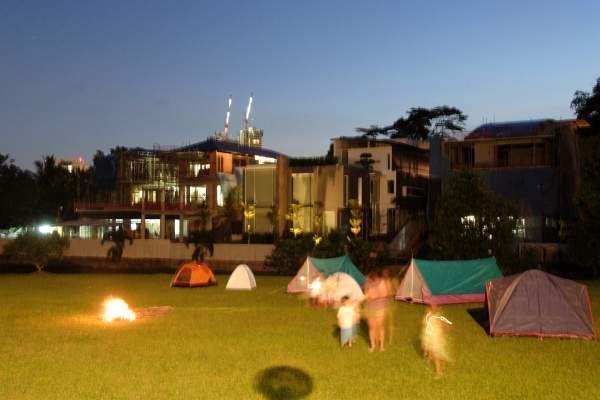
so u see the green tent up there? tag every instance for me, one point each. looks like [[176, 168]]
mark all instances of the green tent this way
[[326, 266], [445, 282]]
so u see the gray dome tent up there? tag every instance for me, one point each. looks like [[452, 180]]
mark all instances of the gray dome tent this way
[[535, 303]]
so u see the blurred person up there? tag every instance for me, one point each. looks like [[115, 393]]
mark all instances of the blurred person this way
[[376, 297], [433, 338], [315, 291], [347, 317], [390, 289]]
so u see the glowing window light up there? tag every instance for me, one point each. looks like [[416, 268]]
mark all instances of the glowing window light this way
[[219, 196], [45, 229]]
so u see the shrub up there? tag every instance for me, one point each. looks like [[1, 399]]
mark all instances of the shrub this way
[[36, 248], [289, 254]]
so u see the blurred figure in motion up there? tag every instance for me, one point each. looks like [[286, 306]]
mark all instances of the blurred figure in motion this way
[[348, 318], [433, 338], [390, 287], [315, 290], [376, 297]]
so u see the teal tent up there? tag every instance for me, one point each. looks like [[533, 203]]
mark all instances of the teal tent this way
[[312, 267], [445, 282]]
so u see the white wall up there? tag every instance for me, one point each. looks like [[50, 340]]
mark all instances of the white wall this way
[[165, 249]]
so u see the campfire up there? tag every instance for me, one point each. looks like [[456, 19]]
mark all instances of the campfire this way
[[117, 309]]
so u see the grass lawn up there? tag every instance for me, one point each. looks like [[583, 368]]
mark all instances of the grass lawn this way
[[217, 344]]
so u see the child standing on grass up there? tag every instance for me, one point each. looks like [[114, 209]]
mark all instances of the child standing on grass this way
[[347, 317]]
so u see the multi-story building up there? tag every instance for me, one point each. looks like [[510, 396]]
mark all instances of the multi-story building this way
[[394, 189], [534, 163], [166, 193]]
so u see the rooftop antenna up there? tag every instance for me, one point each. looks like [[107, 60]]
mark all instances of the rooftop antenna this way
[[226, 128], [248, 109]]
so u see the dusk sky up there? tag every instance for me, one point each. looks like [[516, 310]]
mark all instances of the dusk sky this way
[[84, 75]]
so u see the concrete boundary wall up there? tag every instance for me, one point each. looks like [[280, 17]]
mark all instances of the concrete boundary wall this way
[[163, 249]]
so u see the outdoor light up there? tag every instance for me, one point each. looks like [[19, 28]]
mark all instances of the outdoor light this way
[[45, 229]]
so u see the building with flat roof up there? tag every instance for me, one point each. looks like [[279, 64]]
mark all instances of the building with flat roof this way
[[534, 163]]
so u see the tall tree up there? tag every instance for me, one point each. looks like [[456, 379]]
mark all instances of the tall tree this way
[[422, 123], [472, 222], [18, 194], [587, 106], [57, 190], [584, 234]]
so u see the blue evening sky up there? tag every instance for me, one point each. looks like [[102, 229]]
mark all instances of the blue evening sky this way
[[76, 76]]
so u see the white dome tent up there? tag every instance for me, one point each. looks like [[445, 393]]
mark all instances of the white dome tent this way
[[339, 285], [241, 278]]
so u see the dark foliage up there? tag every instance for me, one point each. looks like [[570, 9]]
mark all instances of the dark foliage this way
[[203, 242], [313, 161], [583, 235], [18, 195], [118, 237], [289, 254], [472, 222], [422, 123], [587, 106], [35, 248]]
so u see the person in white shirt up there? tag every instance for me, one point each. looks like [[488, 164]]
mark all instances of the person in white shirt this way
[[347, 317]]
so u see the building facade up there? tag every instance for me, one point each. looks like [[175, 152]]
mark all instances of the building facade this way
[[534, 163], [167, 193], [394, 190]]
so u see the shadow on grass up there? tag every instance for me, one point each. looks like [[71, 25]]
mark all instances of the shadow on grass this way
[[480, 316], [283, 382]]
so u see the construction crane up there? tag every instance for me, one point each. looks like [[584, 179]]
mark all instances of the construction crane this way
[[226, 128], [247, 116]]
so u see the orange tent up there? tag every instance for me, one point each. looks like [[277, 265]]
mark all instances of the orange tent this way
[[193, 274]]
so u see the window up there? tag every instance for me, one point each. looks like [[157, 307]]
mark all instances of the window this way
[[219, 196], [390, 184], [389, 162], [197, 194], [199, 168], [219, 163], [359, 191]]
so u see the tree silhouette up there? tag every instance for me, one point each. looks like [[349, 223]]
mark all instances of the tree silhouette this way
[[118, 237], [422, 123]]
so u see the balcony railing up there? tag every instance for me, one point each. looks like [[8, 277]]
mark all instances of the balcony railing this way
[[148, 206]]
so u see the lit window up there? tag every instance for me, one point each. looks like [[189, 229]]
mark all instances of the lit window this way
[[197, 194], [469, 219], [219, 196]]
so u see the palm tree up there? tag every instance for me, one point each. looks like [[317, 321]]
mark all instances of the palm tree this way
[[203, 243], [118, 237]]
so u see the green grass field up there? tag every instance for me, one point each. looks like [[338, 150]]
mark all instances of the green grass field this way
[[216, 344]]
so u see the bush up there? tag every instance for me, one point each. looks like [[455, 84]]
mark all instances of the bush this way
[[36, 248], [289, 254], [359, 252], [333, 245]]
